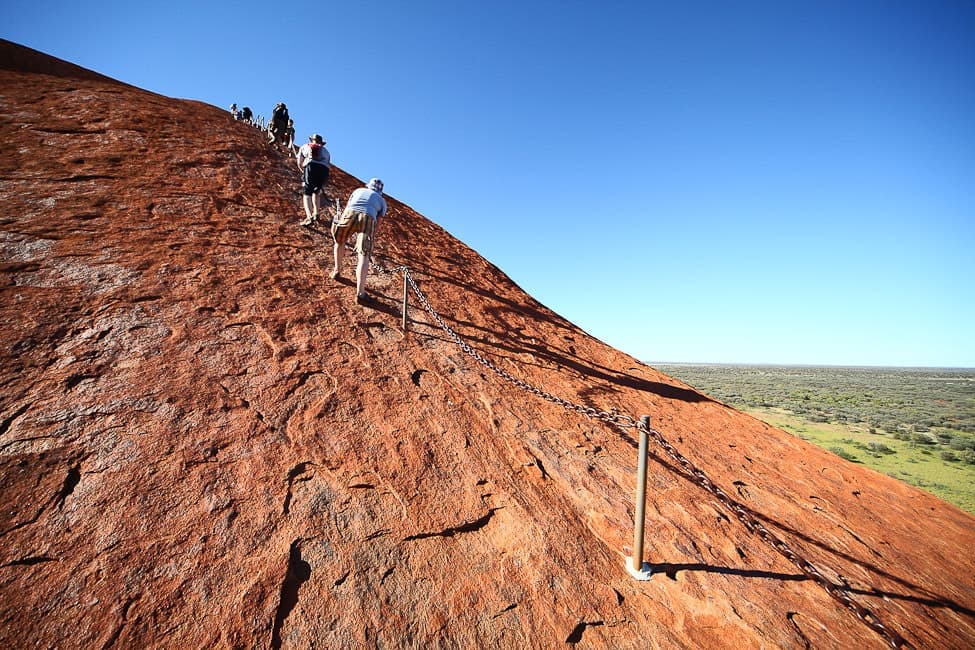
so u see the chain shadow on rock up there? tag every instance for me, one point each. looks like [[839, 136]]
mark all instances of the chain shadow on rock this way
[[928, 597], [560, 356], [573, 362], [539, 313]]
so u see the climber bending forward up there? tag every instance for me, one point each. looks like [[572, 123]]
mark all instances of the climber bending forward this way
[[366, 205]]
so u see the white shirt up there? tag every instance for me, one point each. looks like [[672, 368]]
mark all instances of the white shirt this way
[[304, 156]]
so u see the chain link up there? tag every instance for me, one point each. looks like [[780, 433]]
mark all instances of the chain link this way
[[625, 422], [753, 525]]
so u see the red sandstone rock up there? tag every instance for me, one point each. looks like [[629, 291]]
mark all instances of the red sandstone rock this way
[[204, 441]]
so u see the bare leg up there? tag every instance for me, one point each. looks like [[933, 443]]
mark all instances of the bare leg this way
[[361, 270], [362, 267], [307, 200], [338, 252]]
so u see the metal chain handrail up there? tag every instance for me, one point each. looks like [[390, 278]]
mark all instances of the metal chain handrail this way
[[624, 422], [616, 419], [753, 525]]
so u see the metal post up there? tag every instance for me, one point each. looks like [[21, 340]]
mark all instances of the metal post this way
[[406, 298], [637, 568]]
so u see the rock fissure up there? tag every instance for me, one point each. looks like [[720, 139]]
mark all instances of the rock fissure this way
[[123, 617], [296, 473], [791, 616], [297, 572], [505, 610], [29, 561], [67, 488], [467, 527], [8, 421], [575, 636]]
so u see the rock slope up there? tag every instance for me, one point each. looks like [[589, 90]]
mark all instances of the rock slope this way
[[204, 441]]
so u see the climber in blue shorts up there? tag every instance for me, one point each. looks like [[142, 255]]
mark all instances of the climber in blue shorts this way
[[313, 161]]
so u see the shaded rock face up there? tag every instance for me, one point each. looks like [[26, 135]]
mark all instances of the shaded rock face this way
[[204, 441]]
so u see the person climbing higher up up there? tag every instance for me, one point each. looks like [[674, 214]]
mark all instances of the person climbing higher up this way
[[313, 161], [289, 137], [365, 207], [278, 124]]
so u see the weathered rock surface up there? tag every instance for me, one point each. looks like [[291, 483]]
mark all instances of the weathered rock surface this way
[[204, 442]]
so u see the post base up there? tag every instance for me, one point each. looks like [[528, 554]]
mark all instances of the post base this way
[[643, 574]]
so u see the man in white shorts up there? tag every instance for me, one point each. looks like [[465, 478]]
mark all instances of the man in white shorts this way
[[362, 213]]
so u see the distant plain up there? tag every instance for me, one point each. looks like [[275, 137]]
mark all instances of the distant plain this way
[[914, 424]]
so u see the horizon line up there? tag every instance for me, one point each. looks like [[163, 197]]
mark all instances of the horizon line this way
[[805, 365]]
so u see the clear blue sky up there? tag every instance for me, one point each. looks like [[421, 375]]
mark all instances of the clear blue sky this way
[[741, 182]]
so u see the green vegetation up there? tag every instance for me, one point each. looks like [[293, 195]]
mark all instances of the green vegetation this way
[[915, 424]]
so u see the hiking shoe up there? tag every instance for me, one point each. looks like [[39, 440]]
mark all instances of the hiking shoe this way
[[334, 275], [362, 298], [308, 221]]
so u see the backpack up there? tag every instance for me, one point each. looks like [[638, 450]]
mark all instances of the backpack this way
[[316, 151], [280, 114]]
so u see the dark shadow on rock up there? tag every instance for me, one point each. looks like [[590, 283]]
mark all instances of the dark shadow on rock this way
[[297, 574], [926, 597], [567, 360], [377, 302], [515, 343], [671, 571]]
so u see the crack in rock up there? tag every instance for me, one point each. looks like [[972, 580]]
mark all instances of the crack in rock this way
[[29, 561], [294, 474], [302, 379], [741, 487], [468, 527], [805, 640], [5, 425], [506, 610], [297, 573], [117, 632], [541, 467], [77, 378], [416, 374], [67, 488], [575, 636]]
